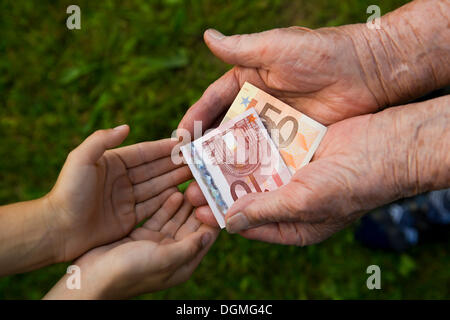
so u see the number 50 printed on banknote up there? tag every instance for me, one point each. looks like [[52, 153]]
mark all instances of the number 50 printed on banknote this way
[[296, 135], [233, 160]]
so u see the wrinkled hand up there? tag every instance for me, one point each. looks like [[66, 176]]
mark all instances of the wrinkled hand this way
[[331, 74], [362, 163], [101, 195], [318, 72], [162, 253], [319, 200]]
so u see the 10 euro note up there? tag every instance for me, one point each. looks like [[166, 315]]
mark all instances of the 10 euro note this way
[[233, 160], [296, 135]]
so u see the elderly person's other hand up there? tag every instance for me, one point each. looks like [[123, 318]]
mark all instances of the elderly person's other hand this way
[[362, 163]]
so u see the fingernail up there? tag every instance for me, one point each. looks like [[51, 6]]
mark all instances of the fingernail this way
[[215, 34], [237, 223], [206, 238], [121, 127]]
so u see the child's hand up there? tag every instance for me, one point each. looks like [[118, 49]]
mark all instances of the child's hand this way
[[101, 195], [162, 253]]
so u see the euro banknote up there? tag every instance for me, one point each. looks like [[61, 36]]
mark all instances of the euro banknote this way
[[235, 159], [296, 135]]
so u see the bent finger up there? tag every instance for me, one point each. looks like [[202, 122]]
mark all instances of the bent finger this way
[[195, 195], [216, 98]]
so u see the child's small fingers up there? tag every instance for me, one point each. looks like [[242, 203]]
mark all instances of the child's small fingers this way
[[184, 272], [148, 151], [184, 251], [139, 234], [195, 195], [151, 169], [147, 208], [171, 227], [152, 187], [191, 225], [205, 215], [167, 210]]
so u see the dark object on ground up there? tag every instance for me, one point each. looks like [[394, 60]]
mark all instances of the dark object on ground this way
[[408, 222]]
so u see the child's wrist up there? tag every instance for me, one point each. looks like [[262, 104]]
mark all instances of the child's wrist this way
[[94, 285], [56, 228], [102, 280]]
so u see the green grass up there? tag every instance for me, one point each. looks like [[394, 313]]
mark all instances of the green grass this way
[[144, 63]]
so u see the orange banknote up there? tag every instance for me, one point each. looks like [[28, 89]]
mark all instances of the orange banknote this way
[[296, 135]]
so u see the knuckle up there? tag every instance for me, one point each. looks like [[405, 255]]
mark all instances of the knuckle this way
[[194, 248], [294, 203], [255, 213], [175, 199], [290, 205], [299, 241], [99, 133], [199, 215], [293, 236]]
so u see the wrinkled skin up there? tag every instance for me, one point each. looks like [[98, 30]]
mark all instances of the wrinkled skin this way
[[318, 72], [362, 163], [162, 253], [329, 75], [326, 83], [101, 195]]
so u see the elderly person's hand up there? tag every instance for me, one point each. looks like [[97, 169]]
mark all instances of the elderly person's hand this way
[[332, 74], [362, 163], [335, 73]]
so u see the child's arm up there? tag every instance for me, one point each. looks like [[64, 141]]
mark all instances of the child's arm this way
[[99, 198], [28, 236]]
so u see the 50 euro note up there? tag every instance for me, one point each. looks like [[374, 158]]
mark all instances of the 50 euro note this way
[[235, 159], [296, 135]]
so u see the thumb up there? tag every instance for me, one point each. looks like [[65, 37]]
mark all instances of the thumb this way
[[93, 147], [255, 50], [255, 209]]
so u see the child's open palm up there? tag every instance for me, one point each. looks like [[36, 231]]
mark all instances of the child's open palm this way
[[102, 194]]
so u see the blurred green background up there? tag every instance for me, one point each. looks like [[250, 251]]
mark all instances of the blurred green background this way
[[144, 63]]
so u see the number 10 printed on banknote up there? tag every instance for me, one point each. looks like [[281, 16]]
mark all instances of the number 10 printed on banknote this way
[[296, 135], [235, 159]]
